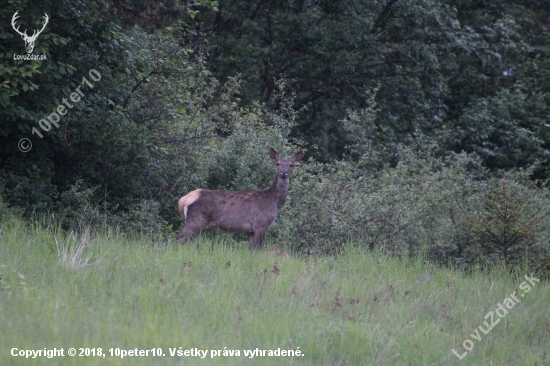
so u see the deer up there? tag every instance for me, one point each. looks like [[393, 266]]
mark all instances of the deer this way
[[29, 41], [250, 211]]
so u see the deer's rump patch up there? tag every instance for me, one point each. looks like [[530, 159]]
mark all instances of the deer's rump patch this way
[[188, 200]]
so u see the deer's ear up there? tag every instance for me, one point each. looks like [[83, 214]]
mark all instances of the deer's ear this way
[[273, 154], [297, 157]]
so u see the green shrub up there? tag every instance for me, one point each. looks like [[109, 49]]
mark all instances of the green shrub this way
[[450, 208], [512, 223]]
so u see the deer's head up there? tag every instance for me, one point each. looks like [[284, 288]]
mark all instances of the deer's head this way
[[284, 166], [29, 40]]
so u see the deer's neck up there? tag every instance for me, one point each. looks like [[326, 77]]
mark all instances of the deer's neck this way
[[279, 190]]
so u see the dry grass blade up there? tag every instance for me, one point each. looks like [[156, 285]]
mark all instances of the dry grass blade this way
[[71, 253]]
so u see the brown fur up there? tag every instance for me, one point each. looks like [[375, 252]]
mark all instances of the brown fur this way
[[252, 211]]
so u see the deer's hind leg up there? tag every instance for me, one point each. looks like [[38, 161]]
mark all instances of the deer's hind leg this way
[[189, 233], [195, 223]]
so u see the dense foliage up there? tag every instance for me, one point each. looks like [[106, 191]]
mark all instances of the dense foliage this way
[[425, 124], [473, 73]]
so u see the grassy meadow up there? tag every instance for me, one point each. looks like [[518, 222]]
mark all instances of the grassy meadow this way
[[103, 290]]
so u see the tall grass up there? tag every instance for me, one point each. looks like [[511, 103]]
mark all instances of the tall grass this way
[[88, 289]]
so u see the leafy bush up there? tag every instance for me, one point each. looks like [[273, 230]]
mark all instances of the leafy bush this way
[[77, 206], [450, 209]]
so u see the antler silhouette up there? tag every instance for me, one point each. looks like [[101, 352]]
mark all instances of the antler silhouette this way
[[46, 19], [29, 41], [13, 19]]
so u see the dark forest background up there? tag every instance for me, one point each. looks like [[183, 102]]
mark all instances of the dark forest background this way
[[424, 123]]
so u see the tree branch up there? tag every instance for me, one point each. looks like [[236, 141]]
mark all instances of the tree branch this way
[[378, 23]]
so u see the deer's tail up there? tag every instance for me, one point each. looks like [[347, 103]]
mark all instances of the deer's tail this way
[[187, 201]]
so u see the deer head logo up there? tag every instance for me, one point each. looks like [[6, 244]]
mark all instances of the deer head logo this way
[[29, 41]]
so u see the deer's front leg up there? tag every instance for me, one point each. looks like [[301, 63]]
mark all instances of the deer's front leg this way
[[256, 239]]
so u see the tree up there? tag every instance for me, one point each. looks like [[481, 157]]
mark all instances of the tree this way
[[472, 75], [499, 100]]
